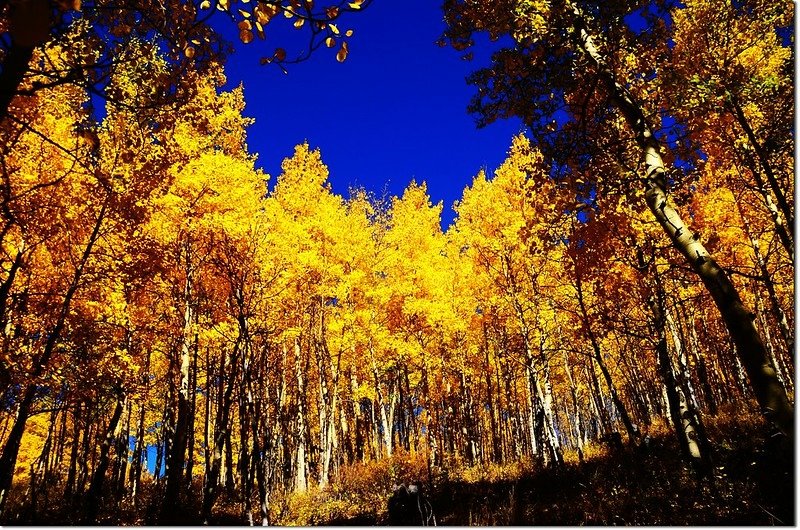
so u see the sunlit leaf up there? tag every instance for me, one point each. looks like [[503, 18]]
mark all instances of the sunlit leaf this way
[[341, 55], [263, 13], [246, 36]]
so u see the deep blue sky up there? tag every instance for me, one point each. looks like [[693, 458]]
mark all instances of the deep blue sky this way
[[394, 111]]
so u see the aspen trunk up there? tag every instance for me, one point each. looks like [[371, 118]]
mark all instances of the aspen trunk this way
[[601, 415], [69, 488], [385, 409], [177, 454], [301, 462], [85, 452], [327, 402], [121, 453], [140, 450], [261, 449], [96, 486], [598, 357], [221, 430], [574, 414], [546, 396], [497, 452], [39, 467], [749, 346], [359, 421], [136, 465], [190, 442], [530, 418], [710, 397], [683, 418]]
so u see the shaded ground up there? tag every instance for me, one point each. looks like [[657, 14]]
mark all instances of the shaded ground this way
[[753, 484], [631, 488]]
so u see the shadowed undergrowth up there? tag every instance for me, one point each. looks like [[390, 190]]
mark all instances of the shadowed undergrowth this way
[[752, 485]]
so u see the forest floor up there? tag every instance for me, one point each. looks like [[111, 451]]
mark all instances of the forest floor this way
[[753, 484]]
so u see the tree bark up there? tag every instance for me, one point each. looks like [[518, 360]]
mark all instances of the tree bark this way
[[301, 457], [92, 504], [749, 346], [685, 419], [598, 357], [183, 422], [221, 429]]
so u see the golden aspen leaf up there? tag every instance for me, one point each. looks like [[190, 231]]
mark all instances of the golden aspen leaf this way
[[287, 13], [349, 33], [223, 5], [263, 13], [356, 4], [189, 52], [330, 42], [245, 14], [246, 36], [334, 29], [341, 55], [299, 23], [245, 25], [205, 4], [332, 12]]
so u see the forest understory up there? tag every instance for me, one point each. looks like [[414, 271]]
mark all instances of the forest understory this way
[[753, 484]]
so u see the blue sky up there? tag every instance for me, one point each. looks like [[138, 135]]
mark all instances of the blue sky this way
[[394, 111]]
